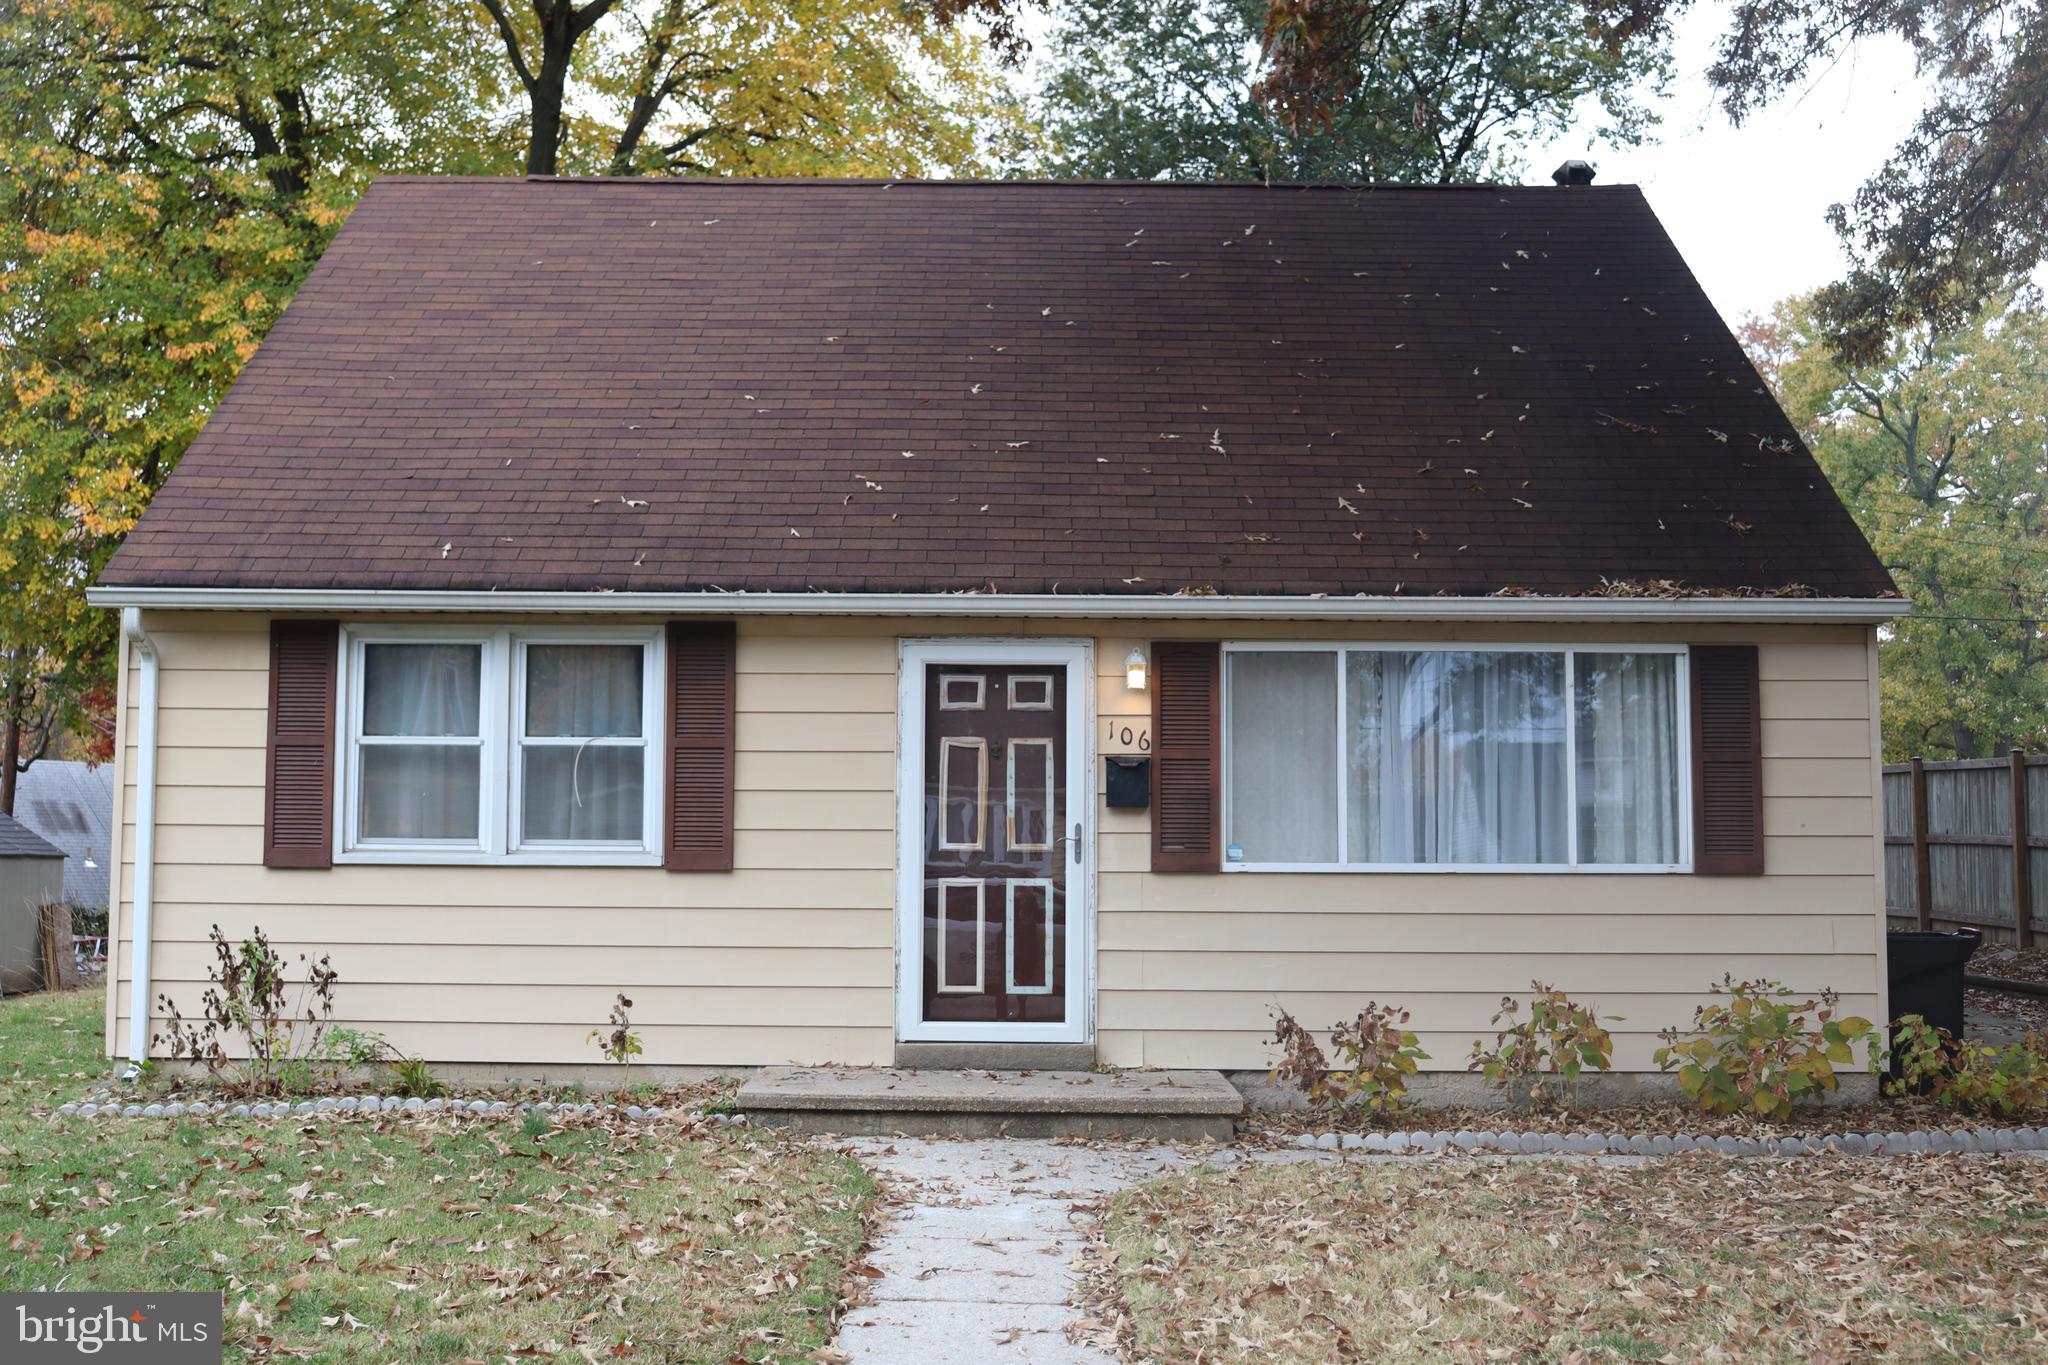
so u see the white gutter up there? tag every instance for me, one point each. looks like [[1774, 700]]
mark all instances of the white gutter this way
[[145, 841], [1837, 610]]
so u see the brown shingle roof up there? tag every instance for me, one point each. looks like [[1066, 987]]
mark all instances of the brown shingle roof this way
[[676, 384]]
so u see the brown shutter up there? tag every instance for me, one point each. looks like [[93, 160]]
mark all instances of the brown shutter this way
[[1187, 747], [1727, 762], [298, 806], [700, 746]]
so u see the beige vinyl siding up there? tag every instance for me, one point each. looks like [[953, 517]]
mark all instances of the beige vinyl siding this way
[[790, 956]]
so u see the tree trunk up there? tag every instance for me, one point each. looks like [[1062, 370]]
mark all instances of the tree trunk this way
[[10, 748], [558, 35]]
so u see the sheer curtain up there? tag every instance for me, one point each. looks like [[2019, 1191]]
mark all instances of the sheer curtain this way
[[1456, 757], [412, 786], [584, 754], [1627, 718], [1283, 755]]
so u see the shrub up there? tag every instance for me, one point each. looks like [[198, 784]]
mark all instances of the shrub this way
[[1968, 1075], [281, 1030], [621, 1044], [341, 1053], [1756, 1051], [1542, 1057], [411, 1078], [1376, 1052]]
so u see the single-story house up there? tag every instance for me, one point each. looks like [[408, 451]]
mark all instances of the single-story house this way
[[71, 804], [850, 616], [31, 877]]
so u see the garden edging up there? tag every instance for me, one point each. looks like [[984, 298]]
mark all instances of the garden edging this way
[[331, 1107], [1917, 1143]]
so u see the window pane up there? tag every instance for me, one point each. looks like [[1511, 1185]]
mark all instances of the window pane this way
[[1627, 757], [584, 792], [420, 791], [1455, 757], [421, 689], [1283, 756], [585, 691]]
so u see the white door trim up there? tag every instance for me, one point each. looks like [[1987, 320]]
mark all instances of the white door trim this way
[[1078, 658]]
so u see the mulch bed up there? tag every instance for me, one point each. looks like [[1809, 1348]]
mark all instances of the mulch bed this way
[[1279, 1127]]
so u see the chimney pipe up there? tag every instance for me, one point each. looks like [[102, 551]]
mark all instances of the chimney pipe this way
[[1573, 172]]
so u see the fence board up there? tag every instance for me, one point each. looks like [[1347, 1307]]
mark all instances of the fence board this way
[[1971, 866]]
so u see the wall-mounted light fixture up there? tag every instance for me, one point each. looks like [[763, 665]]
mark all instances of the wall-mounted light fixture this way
[[1134, 670]]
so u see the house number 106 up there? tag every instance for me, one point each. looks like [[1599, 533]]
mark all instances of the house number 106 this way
[[1127, 734]]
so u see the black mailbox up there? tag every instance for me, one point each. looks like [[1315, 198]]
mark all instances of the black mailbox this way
[[1130, 782]]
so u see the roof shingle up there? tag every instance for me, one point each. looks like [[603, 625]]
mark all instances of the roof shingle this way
[[668, 385]]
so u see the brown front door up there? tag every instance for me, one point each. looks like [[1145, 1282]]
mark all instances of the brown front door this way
[[997, 843]]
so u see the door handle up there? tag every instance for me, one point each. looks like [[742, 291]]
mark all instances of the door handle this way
[[1074, 839]]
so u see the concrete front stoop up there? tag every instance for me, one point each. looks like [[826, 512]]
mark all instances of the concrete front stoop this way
[[1161, 1106]]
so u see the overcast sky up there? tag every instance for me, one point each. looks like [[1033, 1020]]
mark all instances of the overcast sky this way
[[1748, 206]]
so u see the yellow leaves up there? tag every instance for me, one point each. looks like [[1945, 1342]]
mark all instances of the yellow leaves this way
[[188, 350]]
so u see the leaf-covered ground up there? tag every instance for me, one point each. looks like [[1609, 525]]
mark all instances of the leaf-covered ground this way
[[451, 1240], [1698, 1258]]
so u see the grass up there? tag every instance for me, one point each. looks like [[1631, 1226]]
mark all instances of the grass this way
[[441, 1240], [1822, 1260]]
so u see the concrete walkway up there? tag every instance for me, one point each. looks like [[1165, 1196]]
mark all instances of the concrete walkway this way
[[979, 1248]]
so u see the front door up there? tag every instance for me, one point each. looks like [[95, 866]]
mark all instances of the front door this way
[[997, 870]]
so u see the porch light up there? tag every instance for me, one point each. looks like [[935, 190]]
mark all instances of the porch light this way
[[1134, 670]]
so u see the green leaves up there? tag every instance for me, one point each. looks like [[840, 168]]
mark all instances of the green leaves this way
[[1755, 1050], [1939, 448], [1378, 1056], [1141, 90], [1558, 1041]]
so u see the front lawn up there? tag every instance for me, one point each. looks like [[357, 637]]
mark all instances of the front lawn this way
[[368, 1239], [1692, 1258]]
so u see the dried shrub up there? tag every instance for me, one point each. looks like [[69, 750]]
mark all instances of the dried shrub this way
[[1757, 1052], [1376, 1054], [283, 1029], [1541, 1058], [620, 1044], [1967, 1075]]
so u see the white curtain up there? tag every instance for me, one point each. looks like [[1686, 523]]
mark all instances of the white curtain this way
[[1283, 755], [1627, 718], [1456, 757], [425, 692], [583, 790]]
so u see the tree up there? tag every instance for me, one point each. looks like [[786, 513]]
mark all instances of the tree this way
[[1954, 217], [1147, 90], [758, 87], [1940, 450], [168, 174]]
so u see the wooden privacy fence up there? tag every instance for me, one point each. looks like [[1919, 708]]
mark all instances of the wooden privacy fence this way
[[1964, 841]]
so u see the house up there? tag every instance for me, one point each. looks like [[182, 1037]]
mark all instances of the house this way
[[71, 804], [1028, 621], [31, 877]]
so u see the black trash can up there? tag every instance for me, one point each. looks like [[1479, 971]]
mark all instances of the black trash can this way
[[1926, 974]]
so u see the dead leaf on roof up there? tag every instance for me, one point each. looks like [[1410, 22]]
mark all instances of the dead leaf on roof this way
[[1720, 436]]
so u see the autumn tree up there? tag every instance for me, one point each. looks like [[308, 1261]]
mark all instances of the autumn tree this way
[[168, 174], [1940, 449], [1142, 90], [755, 87]]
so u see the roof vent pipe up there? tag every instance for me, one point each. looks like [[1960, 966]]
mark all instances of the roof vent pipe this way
[[1574, 172]]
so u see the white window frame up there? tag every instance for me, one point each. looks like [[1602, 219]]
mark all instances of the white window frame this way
[[501, 720], [1572, 866]]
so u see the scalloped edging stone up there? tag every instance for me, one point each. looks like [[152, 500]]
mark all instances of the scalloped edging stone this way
[[349, 1106], [1960, 1141]]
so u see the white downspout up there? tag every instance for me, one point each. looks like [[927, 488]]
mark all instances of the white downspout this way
[[145, 841]]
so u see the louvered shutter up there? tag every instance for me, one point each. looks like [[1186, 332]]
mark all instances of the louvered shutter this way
[[298, 805], [1187, 762], [1727, 762], [700, 746]]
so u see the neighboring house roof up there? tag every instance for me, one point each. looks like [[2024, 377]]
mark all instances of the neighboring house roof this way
[[19, 841], [72, 806], [684, 384]]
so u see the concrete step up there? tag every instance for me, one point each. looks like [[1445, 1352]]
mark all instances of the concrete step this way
[[1167, 1106]]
